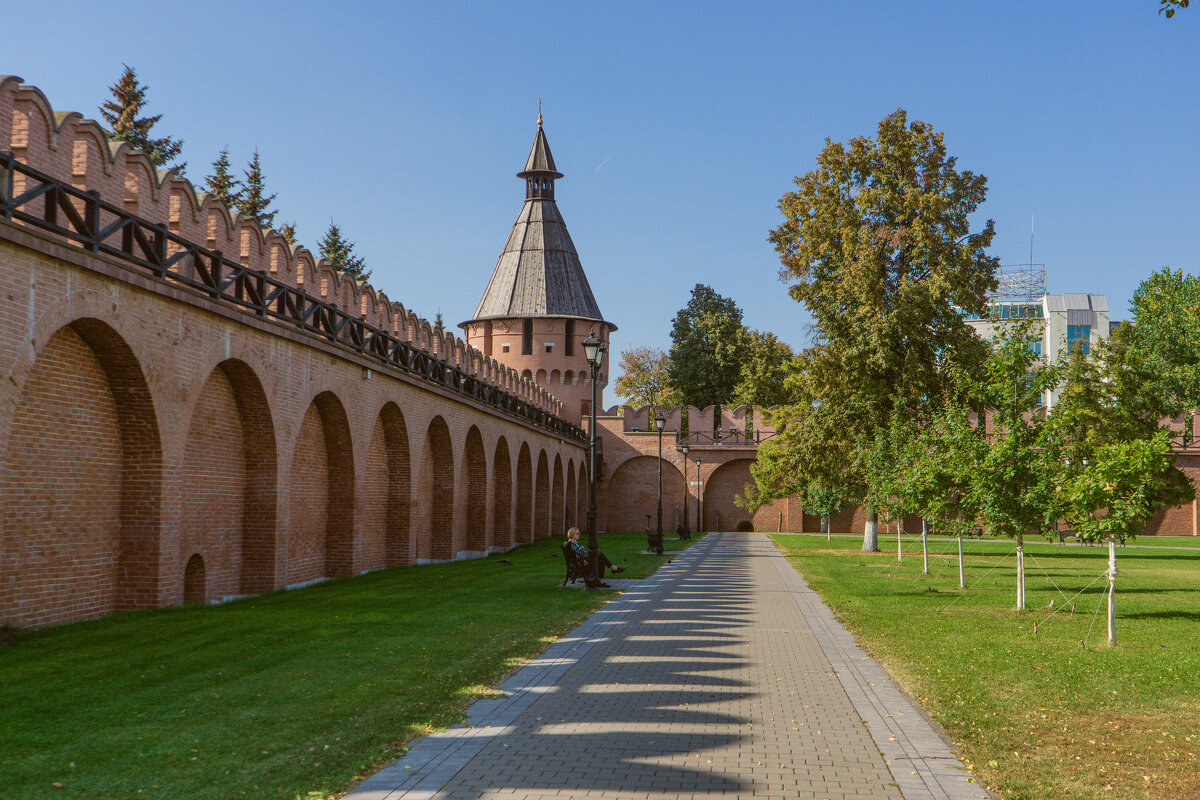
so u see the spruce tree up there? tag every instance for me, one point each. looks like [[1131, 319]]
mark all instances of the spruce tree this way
[[254, 201], [288, 232], [121, 114], [338, 251], [222, 184]]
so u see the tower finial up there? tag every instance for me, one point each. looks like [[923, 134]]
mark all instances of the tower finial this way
[[539, 112]]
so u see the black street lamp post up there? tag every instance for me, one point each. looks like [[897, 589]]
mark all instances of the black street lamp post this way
[[659, 421], [699, 489], [687, 531], [593, 351]]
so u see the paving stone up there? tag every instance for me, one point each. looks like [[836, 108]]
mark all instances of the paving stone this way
[[721, 676]]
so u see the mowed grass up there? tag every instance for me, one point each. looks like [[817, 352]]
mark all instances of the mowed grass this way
[[1036, 715], [292, 694]]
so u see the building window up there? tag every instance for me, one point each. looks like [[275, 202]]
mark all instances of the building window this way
[[549, 347], [1035, 347], [527, 338], [504, 347], [570, 337], [1081, 334]]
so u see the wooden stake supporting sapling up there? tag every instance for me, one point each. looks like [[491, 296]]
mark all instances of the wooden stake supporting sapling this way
[[924, 546]]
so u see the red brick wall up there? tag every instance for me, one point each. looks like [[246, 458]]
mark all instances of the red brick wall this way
[[541, 498], [474, 502], [309, 501], [215, 473], [64, 459], [502, 494], [371, 550], [557, 500], [523, 524], [632, 493]]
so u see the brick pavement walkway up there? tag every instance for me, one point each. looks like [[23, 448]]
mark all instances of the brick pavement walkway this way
[[722, 675]]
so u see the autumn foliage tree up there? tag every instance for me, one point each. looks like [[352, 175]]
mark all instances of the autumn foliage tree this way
[[877, 244], [643, 380]]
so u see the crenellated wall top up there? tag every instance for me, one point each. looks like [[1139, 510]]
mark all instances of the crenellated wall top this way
[[75, 150]]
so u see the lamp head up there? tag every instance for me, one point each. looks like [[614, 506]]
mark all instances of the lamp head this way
[[685, 449], [592, 350], [660, 419]]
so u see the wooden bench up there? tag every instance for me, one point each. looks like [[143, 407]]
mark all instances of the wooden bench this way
[[577, 568]]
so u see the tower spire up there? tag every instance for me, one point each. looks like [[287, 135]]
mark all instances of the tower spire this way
[[540, 172]]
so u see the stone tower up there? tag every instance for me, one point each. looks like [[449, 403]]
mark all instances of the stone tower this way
[[538, 307]]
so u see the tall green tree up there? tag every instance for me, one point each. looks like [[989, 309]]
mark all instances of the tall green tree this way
[[254, 202], [708, 345], [124, 124], [643, 380], [222, 183], [1166, 327], [877, 244], [338, 251], [763, 378]]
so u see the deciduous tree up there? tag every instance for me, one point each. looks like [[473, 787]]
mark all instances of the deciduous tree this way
[[877, 244], [643, 380], [1166, 327], [764, 372], [708, 345], [1012, 472], [124, 124]]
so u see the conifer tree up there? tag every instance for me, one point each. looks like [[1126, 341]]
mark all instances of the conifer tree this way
[[121, 114], [221, 183], [288, 232], [254, 201], [338, 251]]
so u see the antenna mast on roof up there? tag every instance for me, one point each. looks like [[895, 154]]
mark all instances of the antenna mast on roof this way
[[1020, 283]]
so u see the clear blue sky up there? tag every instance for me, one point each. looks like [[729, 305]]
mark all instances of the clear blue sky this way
[[678, 127]]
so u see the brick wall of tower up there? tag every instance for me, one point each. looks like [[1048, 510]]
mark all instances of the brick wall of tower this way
[[560, 370]]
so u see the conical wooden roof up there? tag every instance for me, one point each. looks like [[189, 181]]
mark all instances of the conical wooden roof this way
[[538, 273]]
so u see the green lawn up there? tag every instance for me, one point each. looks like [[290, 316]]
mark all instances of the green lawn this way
[[291, 694], [1037, 715]]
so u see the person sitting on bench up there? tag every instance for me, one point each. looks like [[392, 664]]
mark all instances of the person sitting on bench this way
[[581, 553]]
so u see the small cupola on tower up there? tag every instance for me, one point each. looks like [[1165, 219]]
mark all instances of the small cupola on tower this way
[[540, 172]]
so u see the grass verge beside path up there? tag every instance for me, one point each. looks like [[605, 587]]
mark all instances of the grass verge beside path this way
[[1036, 715], [289, 695]]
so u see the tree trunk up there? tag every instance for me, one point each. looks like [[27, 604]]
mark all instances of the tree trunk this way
[[1112, 591], [871, 533], [1021, 572], [900, 540], [925, 544], [825, 526]]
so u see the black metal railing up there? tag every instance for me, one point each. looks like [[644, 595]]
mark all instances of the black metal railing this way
[[733, 437], [149, 248]]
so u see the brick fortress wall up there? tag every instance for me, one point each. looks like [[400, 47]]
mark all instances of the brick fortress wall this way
[[161, 445]]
